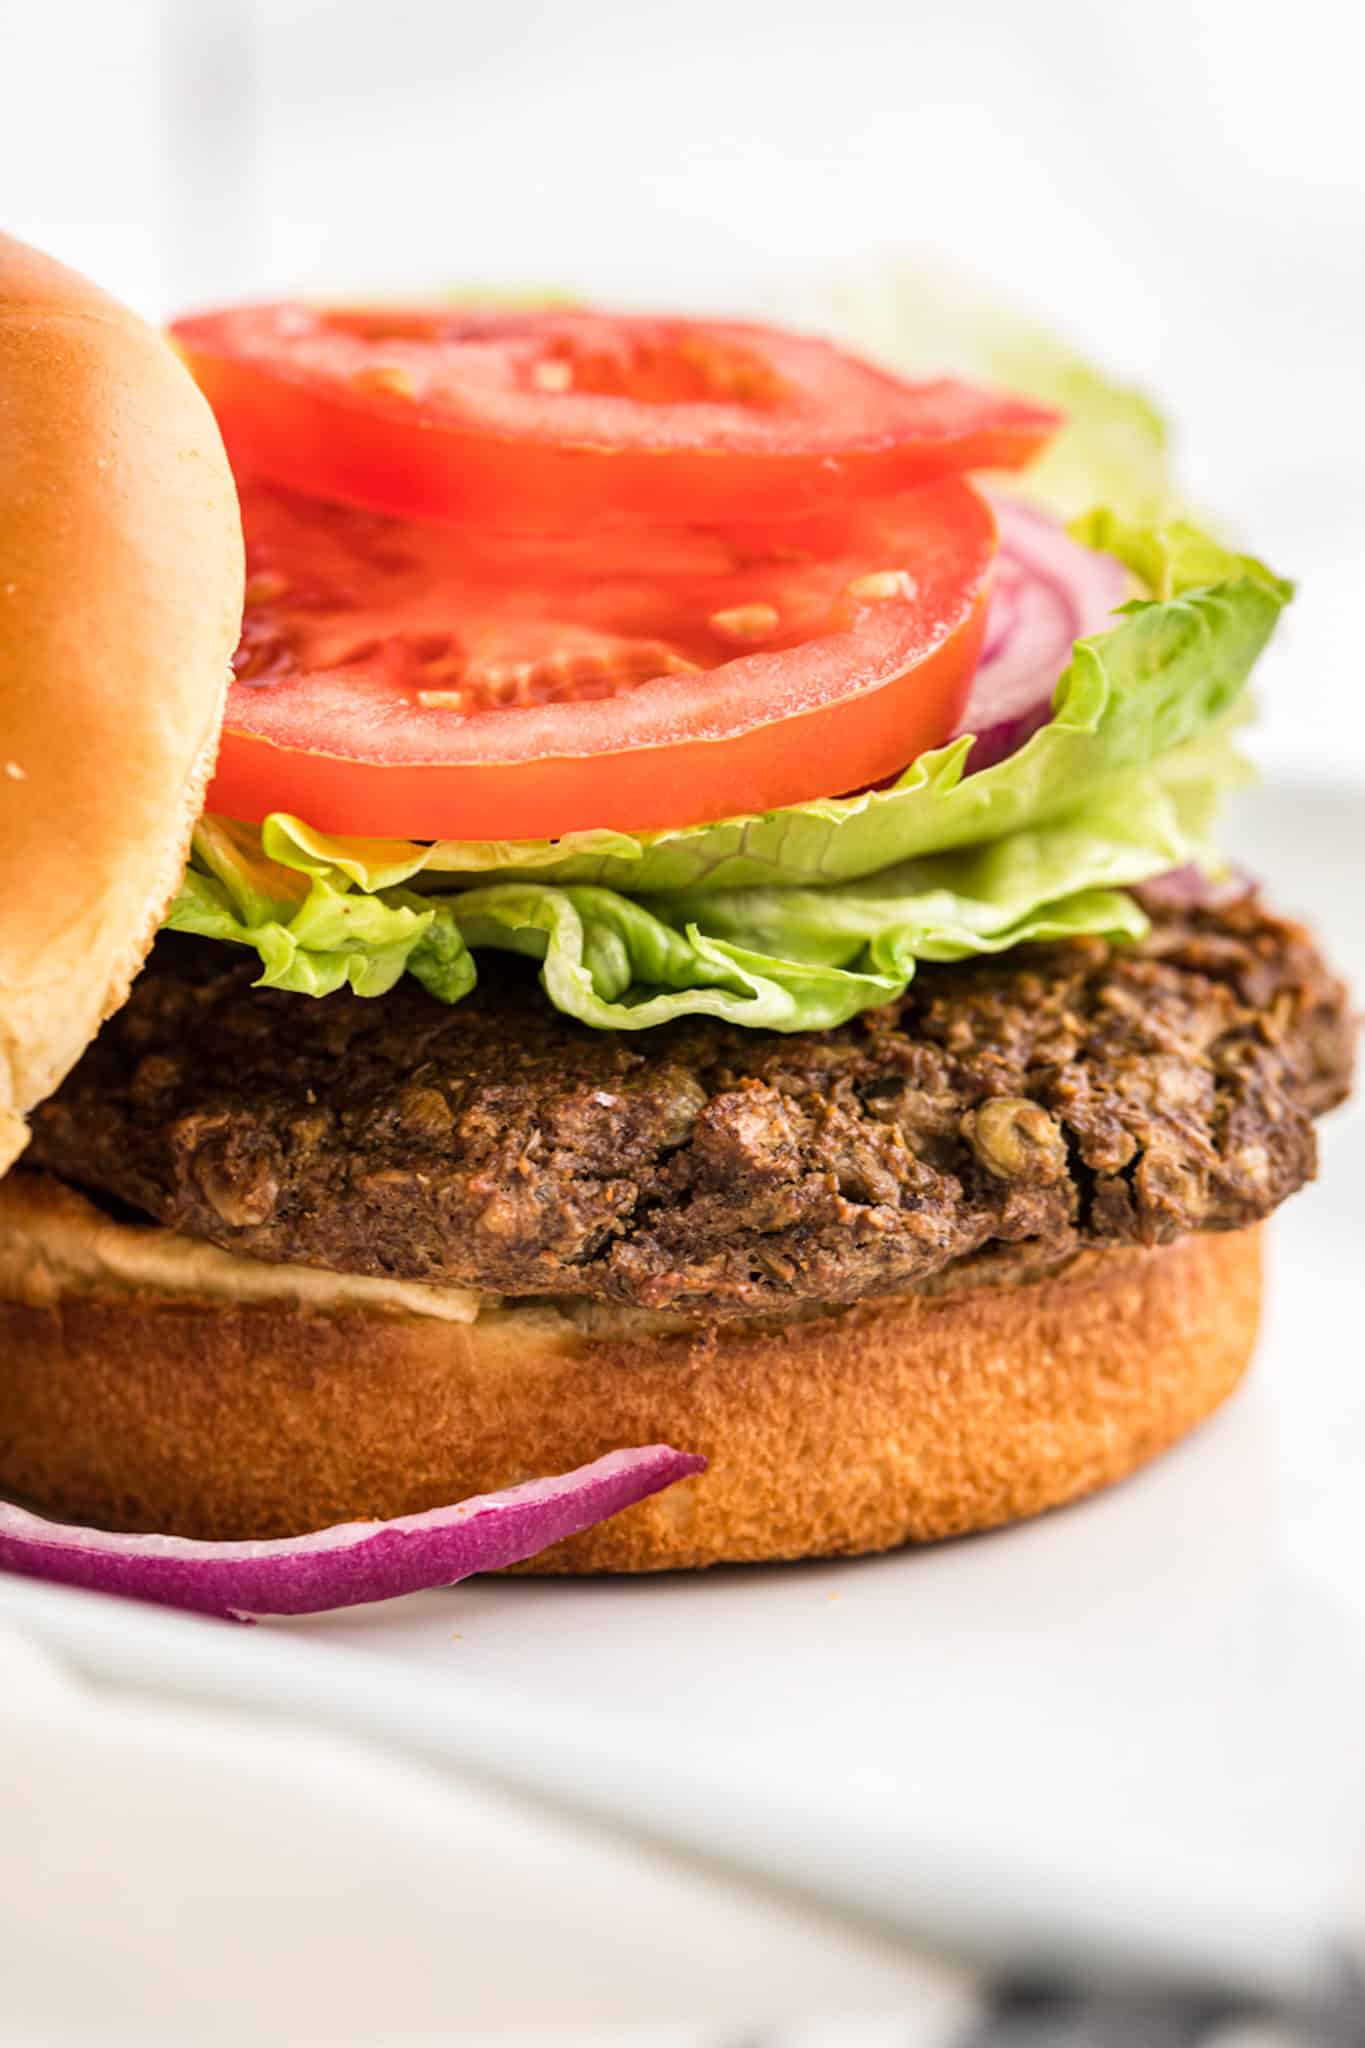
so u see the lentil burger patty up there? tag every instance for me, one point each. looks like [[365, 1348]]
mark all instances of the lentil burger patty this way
[[1066, 1096]]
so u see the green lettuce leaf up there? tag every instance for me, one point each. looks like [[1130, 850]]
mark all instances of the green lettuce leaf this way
[[802, 965], [1174, 558], [784, 959], [312, 936]]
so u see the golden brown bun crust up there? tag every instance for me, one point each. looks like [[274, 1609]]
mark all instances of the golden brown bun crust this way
[[850, 1432], [120, 605]]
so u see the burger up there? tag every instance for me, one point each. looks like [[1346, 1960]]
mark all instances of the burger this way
[[611, 912]]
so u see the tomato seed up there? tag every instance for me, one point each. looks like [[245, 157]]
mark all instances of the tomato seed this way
[[881, 585], [386, 378], [746, 622], [566, 677]]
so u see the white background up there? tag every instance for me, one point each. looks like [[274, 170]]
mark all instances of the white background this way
[[1181, 188]]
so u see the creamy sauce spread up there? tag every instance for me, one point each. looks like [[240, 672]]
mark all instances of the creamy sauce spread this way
[[61, 1243]]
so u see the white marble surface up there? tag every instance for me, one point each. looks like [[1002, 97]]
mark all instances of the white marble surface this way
[[181, 1872]]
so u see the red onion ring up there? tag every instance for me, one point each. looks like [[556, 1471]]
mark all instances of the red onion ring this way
[[348, 1565], [1048, 593], [1189, 888]]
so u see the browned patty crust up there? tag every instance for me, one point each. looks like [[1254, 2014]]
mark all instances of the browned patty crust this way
[[1063, 1096]]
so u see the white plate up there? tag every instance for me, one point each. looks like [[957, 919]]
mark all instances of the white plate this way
[[1127, 1733]]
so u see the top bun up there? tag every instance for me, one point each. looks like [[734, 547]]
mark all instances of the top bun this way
[[120, 605]]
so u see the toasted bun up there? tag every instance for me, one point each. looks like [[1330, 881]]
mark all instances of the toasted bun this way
[[202, 1414], [120, 605]]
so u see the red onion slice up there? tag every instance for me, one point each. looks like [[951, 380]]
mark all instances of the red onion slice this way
[[351, 1564], [1189, 888], [1048, 593]]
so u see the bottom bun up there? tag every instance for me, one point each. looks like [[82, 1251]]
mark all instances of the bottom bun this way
[[200, 1414]]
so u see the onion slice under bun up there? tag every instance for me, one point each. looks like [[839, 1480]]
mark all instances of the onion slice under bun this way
[[351, 1564]]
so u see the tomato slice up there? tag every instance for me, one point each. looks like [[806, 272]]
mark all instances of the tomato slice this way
[[404, 680], [539, 419]]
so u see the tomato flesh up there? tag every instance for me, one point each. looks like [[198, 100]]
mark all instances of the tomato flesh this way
[[404, 680], [535, 420]]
